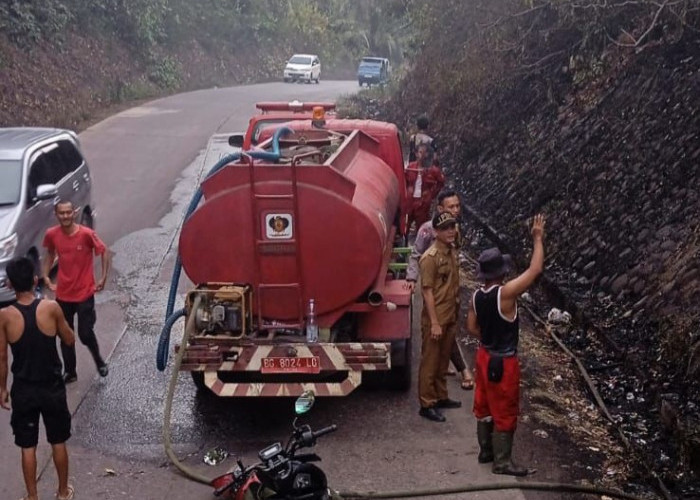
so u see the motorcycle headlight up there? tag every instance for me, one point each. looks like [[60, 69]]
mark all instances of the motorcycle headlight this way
[[8, 246]]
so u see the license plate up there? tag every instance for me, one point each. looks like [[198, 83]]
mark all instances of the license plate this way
[[291, 365], [368, 76]]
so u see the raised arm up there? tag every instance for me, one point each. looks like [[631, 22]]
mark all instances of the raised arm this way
[[513, 288]]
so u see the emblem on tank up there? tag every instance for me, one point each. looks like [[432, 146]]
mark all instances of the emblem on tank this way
[[278, 226]]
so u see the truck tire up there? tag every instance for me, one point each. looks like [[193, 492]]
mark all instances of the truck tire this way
[[399, 377], [198, 379], [360, 82]]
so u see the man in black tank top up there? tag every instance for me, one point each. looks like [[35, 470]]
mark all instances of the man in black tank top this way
[[30, 327], [493, 319]]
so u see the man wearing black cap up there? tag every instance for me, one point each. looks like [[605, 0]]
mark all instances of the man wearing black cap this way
[[493, 319], [448, 201], [439, 273]]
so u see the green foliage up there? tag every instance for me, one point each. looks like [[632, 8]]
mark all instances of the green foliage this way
[[28, 22], [165, 72], [340, 31]]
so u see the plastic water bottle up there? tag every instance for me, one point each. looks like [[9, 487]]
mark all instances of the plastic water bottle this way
[[311, 325]]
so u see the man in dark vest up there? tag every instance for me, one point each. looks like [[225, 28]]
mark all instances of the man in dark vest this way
[[493, 319], [30, 327]]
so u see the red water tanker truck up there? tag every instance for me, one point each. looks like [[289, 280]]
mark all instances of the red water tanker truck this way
[[313, 213]]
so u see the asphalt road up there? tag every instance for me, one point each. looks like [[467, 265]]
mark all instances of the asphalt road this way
[[145, 164]]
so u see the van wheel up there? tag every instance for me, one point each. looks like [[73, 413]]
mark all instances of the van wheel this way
[[86, 219], [318, 78], [33, 255]]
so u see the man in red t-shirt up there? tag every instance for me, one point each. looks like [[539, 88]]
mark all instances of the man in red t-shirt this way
[[75, 286]]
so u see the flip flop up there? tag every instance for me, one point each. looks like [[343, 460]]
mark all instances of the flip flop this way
[[69, 496], [467, 385]]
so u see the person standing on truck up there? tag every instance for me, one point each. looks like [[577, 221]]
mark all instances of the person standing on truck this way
[[439, 274], [493, 319], [447, 201], [422, 137], [424, 180], [74, 245], [30, 327]]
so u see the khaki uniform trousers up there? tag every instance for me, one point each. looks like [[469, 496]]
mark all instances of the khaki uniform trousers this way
[[434, 362]]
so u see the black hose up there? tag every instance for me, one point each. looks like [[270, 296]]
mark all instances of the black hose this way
[[559, 487]]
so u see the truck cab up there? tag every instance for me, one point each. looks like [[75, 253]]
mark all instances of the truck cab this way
[[373, 70], [272, 114]]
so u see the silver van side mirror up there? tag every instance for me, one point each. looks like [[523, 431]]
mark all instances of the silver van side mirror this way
[[46, 192]]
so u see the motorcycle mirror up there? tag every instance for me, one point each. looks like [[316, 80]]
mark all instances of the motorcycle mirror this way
[[304, 402]]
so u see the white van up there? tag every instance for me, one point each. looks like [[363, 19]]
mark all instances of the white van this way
[[303, 67]]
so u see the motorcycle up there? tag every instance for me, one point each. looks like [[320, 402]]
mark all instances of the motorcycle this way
[[282, 473]]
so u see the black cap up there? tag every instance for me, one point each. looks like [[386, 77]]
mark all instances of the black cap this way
[[444, 220]]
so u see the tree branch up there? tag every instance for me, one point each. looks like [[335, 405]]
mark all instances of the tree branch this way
[[644, 35]]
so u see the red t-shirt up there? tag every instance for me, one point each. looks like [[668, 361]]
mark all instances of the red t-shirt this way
[[76, 277]]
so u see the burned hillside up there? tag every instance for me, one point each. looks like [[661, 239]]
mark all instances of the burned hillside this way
[[587, 111]]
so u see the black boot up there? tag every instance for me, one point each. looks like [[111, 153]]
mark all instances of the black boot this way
[[502, 447], [484, 430]]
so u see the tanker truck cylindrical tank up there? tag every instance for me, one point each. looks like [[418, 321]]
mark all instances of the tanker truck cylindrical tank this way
[[331, 245]]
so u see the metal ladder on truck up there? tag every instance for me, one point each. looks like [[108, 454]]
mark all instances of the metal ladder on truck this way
[[289, 203]]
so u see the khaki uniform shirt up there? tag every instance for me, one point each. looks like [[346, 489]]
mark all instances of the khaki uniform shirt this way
[[439, 270], [424, 238]]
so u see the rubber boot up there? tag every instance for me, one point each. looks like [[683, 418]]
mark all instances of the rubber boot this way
[[502, 448], [484, 430]]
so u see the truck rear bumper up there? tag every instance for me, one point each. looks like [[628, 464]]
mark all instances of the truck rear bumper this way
[[329, 369]]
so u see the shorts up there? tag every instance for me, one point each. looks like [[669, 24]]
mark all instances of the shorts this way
[[31, 399]]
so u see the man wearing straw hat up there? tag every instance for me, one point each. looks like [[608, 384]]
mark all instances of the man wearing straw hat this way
[[493, 319]]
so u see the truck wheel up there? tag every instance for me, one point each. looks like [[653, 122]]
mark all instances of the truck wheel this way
[[360, 82], [198, 379], [399, 377]]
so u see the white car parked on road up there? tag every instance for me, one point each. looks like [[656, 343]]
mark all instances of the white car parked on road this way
[[303, 67]]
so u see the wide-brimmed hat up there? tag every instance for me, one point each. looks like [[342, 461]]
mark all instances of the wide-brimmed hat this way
[[492, 264], [444, 220]]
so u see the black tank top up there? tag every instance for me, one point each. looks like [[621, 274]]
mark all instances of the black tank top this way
[[34, 355], [498, 335]]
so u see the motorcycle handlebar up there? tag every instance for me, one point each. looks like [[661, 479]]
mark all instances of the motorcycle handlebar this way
[[325, 430]]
